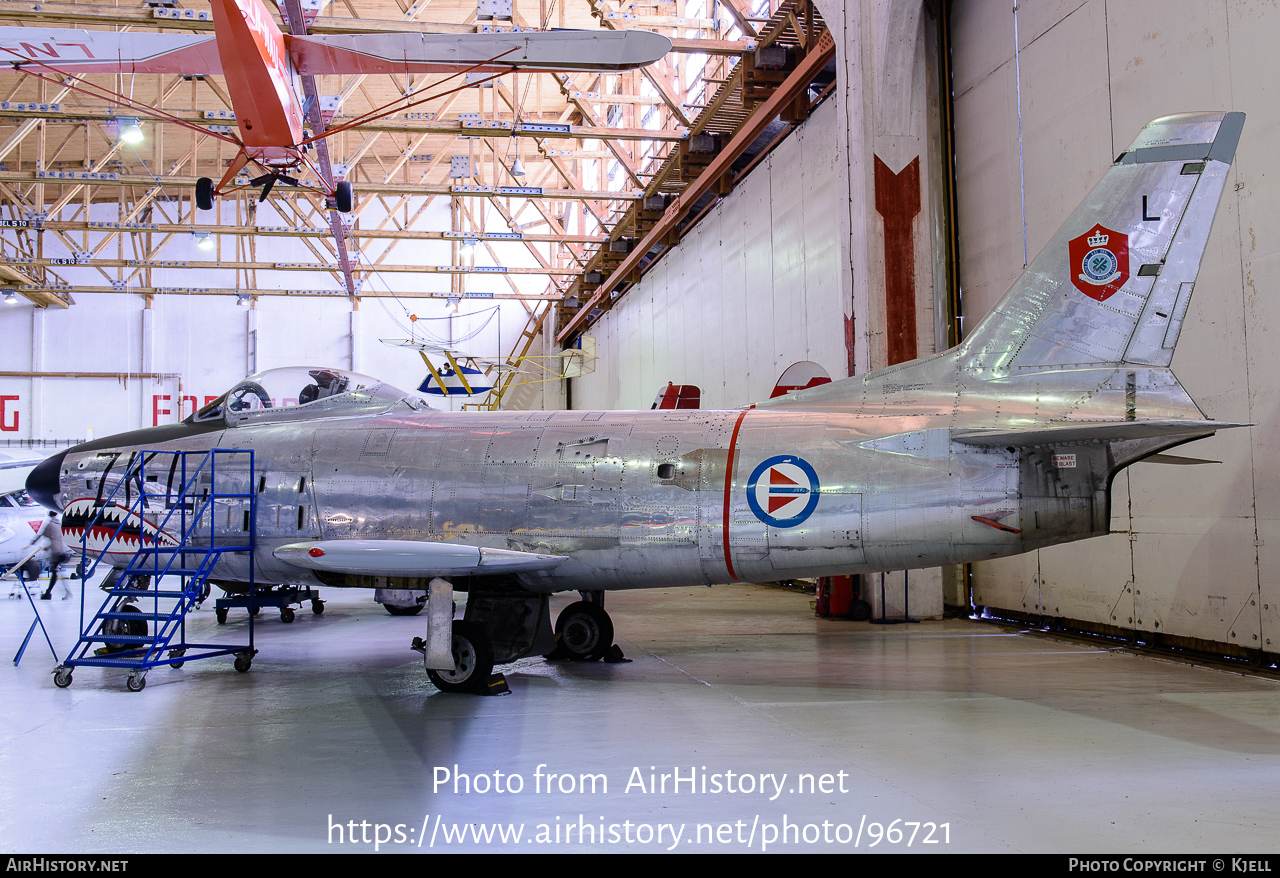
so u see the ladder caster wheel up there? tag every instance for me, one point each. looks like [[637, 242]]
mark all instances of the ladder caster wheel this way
[[243, 663], [177, 653], [62, 677], [136, 682], [286, 614], [221, 613]]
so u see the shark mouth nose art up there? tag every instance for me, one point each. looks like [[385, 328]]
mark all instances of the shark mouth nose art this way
[[111, 525]]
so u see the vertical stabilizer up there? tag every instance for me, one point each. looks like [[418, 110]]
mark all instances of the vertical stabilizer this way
[[1113, 285]]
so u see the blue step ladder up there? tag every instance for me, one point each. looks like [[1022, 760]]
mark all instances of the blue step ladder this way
[[179, 512]]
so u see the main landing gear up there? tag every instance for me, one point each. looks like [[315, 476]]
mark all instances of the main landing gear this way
[[584, 632], [504, 623], [342, 200]]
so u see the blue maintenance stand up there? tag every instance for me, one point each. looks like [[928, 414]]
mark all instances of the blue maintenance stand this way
[[17, 569], [178, 512]]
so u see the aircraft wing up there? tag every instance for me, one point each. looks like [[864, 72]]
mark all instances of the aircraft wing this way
[[411, 558], [427, 346], [82, 51], [1086, 431], [565, 50], [417, 345], [14, 472], [14, 479]]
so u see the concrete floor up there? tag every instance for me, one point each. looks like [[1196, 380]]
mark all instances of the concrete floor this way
[[999, 740]]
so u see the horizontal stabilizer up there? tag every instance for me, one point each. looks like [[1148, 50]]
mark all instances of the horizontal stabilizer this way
[[411, 558], [1177, 460], [1105, 431], [565, 50]]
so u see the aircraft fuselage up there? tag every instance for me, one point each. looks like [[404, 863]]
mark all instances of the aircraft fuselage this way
[[642, 499]]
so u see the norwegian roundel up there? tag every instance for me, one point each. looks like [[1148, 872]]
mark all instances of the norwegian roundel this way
[[783, 491]]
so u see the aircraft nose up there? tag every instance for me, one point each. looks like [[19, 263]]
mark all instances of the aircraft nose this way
[[42, 482]]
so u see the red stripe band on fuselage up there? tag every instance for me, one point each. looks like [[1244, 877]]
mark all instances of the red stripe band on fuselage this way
[[728, 486]]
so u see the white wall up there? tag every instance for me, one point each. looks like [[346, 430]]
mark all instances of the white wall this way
[[755, 286], [206, 341], [1195, 550]]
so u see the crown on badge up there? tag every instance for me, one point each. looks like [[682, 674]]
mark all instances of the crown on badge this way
[[1097, 240]]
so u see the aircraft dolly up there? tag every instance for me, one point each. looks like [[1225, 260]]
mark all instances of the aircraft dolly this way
[[281, 597]]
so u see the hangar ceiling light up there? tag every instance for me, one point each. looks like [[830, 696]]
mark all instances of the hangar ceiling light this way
[[129, 130]]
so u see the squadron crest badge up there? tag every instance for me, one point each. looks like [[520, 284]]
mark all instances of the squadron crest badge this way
[[1099, 262]]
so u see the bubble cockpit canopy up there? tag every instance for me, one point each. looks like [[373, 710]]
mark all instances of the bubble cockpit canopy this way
[[294, 388]]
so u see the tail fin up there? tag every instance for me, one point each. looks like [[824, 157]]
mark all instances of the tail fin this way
[[1112, 286]]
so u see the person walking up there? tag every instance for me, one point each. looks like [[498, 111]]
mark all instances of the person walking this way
[[51, 530]]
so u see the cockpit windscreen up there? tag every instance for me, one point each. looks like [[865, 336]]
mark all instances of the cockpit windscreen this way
[[290, 387]]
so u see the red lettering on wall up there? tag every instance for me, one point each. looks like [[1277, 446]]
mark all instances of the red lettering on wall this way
[[4, 418], [158, 409]]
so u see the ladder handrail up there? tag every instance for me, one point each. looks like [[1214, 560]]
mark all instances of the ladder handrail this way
[[146, 561], [135, 470]]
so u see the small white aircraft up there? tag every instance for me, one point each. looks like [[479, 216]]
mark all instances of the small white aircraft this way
[[20, 516], [459, 375]]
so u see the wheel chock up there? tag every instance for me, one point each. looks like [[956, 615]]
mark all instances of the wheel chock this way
[[497, 685], [615, 657]]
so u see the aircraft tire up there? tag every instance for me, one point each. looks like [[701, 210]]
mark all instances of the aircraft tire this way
[[343, 197], [472, 660], [584, 631], [125, 627], [403, 611], [204, 194]]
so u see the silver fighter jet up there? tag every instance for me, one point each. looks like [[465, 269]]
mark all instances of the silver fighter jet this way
[[1004, 444]]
